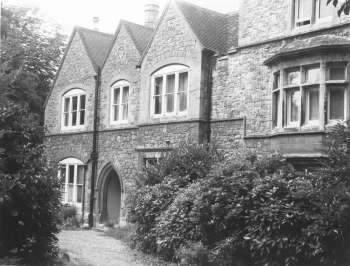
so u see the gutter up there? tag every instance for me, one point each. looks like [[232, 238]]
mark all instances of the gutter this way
[[94, 153]]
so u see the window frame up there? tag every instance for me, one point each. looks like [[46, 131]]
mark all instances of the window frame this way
[[337, 84], [175, 69], [75, 92], [75, 163], [321, 82], [308, 121], [121, 84], [314, 17]]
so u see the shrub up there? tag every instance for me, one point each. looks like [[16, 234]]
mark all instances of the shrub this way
[[250, 210], [174, 226], [193, 254], [29, 191], [68, 216], [178, 169], [190, 161]]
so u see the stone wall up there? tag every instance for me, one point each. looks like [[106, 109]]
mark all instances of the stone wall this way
[[120, 65], [259, 20], [173, 43], [242, 83], [76, 72]]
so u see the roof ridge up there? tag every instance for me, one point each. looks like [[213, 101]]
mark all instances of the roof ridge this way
[[200, 7], [94, 31], [135, 24]]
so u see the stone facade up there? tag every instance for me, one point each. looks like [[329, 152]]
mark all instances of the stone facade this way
[[229, 95]]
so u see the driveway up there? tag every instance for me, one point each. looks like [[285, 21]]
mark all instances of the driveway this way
[[94, 248]]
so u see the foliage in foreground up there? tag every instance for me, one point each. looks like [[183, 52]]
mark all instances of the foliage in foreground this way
[[29, 190], [247, 210]]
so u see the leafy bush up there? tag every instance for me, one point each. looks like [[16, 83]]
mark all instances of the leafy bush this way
[[29, 191], [68, 216], [174, 226], [193, 254], [178, 169], [190, 161], [250, 210]]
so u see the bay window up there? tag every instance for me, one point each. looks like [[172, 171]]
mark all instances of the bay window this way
[[170, 90], [73, 109], [119, 102], [71, 173], [310, 94]]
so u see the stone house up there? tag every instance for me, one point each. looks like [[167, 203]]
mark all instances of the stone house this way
[[273, 75]]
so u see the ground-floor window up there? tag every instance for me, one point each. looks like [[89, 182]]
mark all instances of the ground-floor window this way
[[71, 172], [308, 94]]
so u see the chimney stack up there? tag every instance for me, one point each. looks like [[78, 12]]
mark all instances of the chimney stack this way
[[95, 23], [151, 15]]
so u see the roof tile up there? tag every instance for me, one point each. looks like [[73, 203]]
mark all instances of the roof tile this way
[[96, 43]]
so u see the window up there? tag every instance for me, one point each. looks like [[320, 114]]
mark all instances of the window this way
[[303, 10], [336, 91], [170, 90], [293, 100], [119, 102], [307, 12], [71, 172], [73, 115], [275, 98], [323, 11], [300, 96], [336, 103], [311, 105], [297, 100]]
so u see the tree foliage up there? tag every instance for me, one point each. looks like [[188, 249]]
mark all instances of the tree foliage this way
[[344, 6], [29, 190], [31, 49]]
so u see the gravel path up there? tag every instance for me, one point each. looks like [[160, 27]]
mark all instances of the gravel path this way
[[93, 248]]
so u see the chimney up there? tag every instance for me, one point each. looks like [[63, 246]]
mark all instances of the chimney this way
[[95, 23], [151, 15]]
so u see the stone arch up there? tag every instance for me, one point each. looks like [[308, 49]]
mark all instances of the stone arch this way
[[110, 190]]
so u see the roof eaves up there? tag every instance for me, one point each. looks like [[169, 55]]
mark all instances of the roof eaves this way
[[60, 66], [94, 65], [112, 43], [310, 49]]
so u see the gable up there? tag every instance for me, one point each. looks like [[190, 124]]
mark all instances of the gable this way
[[123, 53], [76, 63], [172, 38]]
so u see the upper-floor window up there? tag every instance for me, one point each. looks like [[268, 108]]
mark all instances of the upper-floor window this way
[[296, 101], [71, 172], [170, 90], [73, 109], [119, 101], [307, 12]]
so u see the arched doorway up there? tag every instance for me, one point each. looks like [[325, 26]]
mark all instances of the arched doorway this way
[[110, 191]]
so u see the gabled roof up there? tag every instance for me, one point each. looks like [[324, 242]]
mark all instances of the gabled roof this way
[[139, 34], [323, 43], [210, 27], [215, 31], [96, 44]]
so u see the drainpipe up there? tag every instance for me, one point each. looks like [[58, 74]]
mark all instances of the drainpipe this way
[[94, 153]]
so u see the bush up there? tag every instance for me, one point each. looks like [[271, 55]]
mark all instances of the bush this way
[[250, 210], [29, 191], [68, 216], [178, 169]]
